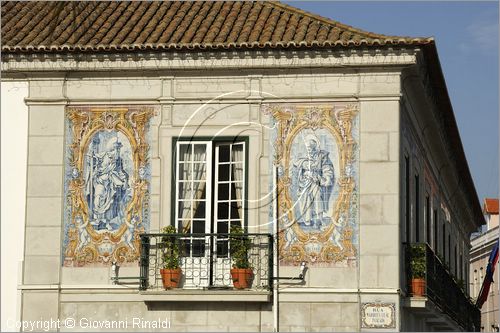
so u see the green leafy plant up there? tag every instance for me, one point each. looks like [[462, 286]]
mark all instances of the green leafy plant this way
[[239, 247], [170, 247], [417, 262]]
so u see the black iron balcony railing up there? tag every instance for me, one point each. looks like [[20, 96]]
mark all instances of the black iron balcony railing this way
[[205, 260], [443, 290]]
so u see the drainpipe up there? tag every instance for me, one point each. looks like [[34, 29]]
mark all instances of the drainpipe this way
[[275, 253]]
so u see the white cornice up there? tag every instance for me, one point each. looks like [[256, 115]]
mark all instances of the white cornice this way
[[168, 61]]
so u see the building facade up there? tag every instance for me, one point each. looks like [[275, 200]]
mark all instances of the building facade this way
[[335, 149], [482, 245]]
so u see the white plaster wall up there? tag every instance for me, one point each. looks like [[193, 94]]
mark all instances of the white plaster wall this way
[[235, 97], [14, 120]]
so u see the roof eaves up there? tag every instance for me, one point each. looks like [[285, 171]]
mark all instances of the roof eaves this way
[[445, 106], [215, 46]]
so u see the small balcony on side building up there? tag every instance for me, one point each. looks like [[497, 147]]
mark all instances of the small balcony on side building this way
[[443, 301]]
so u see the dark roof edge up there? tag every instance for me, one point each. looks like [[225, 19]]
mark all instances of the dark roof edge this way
[[216, 46], [451, 127], [339, 24]]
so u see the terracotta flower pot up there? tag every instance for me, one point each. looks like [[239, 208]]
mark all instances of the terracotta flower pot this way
[[170, 277], [418, 287], [242, 277]]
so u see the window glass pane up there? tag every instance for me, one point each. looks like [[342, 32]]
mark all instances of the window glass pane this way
[[237, 153], [186, 247], [200, 152], [199, 209], [185, 190], [222, 248], [235, 210], [223, 153], [198, 247], [237, 172], [222, 211], [236, 191], [185, 152], [199, 171], [199, 226], [223, 172], [223, 192], [184, 211], [237, 175], [183, 226], [222, 228], [199, 190], [185, 171]]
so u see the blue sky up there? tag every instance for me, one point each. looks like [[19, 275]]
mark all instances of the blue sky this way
[[466, 34]]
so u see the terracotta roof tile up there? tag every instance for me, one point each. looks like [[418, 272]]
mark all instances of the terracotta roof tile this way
[[217, 23], [207, 22], [197, 20], [322, 34], [291, 27], [106, 22], [185, 17], [269, 26], [281, 25], [228, 24], [491, 206], [85, 26], [259, 24], [239, 22], [141, 22], [249, 22], [160, 22]]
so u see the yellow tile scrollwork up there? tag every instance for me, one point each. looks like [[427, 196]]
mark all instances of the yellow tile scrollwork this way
[[107, 184], [321, 233]]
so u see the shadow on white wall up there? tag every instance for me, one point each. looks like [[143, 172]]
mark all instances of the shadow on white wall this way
[[14, 135]]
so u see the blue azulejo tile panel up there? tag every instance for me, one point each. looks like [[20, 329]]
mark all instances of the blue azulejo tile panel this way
[[316, 159], [106, 184]]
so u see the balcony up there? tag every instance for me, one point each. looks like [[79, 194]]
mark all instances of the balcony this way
[[442, 289], [206, 261]]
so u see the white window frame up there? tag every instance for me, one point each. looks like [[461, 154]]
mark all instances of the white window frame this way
[[212, 176], [208, 182], [216, 200]]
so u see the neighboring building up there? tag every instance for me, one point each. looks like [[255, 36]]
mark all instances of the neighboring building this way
[[329, 145], [482, 245], [490, 210]]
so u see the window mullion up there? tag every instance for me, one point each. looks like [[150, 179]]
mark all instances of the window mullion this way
[[216, 190], [230, 184], [177, 168]]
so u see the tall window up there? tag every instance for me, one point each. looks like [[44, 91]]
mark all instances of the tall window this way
[[449, 250], [209, 176], [435, 224], [480, 280], [443, 235], [209, 198], [461, 263], [407, 199], [229, 192], [475, 283], [427, 219], [417, 208], [455, 260]]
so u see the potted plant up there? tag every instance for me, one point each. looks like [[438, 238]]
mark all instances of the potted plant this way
[[171, 271], [239, 244], [418, 269]]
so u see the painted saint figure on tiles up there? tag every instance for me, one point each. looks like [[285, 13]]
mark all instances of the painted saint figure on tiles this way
[[107, 182], [315, 179]]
